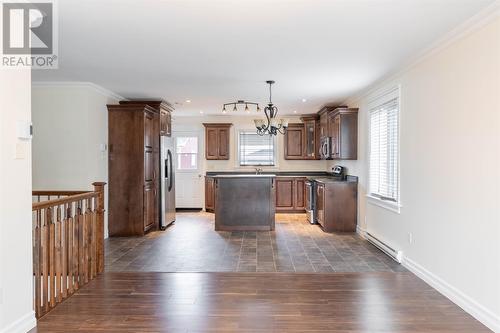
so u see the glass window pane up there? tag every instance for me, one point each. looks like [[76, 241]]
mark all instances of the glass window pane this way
[[187, 161], [187, 145], [255, 149]]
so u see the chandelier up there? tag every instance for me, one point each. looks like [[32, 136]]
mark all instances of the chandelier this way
[[271, 125]]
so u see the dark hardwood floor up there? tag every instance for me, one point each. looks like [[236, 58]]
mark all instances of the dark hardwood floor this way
[[257, 302]]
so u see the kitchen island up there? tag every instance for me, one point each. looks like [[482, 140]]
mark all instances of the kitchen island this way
[[244, 202]]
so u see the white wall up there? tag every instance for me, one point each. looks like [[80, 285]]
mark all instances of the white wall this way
[[16, 300], [241, 123], [70, 123], [450, 171]]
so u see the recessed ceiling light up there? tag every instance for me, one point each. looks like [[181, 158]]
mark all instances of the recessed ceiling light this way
[[304, 100], [201, 112], [295, 111], [188, 101]]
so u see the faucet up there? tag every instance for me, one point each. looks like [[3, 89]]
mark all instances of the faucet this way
[[258, 171]]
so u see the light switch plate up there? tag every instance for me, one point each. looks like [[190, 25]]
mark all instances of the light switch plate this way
[[24, 130]]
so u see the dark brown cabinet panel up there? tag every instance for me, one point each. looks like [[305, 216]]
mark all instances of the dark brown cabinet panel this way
[[209, 194], [294, 142], [223, 137], [149, 165], [211, 144], [133, 167], [164, 109], [336, 206], [311, 136], [149, 205], [290, 194], [217, 141], [343, 129], [300, 191], [284, 194]]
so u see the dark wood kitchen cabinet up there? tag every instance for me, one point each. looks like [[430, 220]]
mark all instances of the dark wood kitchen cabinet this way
[[290, 194], [294, 144], [133, 167], [209, 194], [343, 129], [217, 141], [301, 141], [165, 110], [336, 205], [311, 136]]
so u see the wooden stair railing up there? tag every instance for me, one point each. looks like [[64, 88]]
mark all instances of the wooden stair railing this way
[[68, 243]]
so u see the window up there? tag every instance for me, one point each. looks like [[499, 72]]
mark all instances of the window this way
[[384, 147], [255, 149], [187, 152]]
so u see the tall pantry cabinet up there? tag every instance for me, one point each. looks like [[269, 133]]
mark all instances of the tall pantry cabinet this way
[[134, 168]]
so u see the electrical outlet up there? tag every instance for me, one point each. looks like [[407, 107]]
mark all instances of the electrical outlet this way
[[410, 238]]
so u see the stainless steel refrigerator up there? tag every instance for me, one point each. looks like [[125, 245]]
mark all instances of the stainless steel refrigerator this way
[[167, 181]]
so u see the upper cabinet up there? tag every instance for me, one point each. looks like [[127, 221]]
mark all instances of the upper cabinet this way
[[295, 142], [343, 129], [302, 139], [311, 136], [217, 141], [164, 109]]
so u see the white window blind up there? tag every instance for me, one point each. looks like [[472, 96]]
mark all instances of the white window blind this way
[[384, 147], [255, 149]]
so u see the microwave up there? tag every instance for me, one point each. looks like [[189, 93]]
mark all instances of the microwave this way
[[325, 148]]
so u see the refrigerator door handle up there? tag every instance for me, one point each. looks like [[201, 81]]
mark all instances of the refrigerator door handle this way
[[166, 168], [170, 183]]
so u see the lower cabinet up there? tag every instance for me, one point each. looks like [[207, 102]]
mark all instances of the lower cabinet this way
[[336, 206], [149, 207], [209, 194], [290, 194]]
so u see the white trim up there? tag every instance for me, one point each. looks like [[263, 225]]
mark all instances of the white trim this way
[[474, 23], [78, 84], [390, 205], [21, 325], [469, 305], [377, 98]]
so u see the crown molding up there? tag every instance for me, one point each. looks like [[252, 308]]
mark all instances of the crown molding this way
[[474, 23], [79, 84]]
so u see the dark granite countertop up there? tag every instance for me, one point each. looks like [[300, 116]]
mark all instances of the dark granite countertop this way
[[276, 173], [319, 176]]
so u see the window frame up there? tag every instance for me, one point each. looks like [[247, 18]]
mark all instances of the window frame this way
[[378, 100], [238, 151], [198, 161]]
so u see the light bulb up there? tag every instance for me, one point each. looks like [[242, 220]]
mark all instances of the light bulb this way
[[284, 122], [274, 122]]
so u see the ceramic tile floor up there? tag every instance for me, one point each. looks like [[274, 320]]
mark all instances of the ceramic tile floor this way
[[192, 245]]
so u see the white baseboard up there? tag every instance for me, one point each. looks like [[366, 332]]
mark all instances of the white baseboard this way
[[482, 314], [22, 325]]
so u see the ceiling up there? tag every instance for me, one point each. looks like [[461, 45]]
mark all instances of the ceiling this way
[[213, 52]]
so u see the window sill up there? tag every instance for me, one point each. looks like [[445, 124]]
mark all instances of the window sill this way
[[392, 206]]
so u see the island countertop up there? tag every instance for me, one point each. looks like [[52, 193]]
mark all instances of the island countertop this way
[[243, 176]]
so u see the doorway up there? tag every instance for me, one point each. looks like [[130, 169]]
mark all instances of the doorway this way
[[188, 176]]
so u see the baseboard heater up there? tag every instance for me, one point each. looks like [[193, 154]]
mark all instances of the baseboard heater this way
[[394, 254]]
